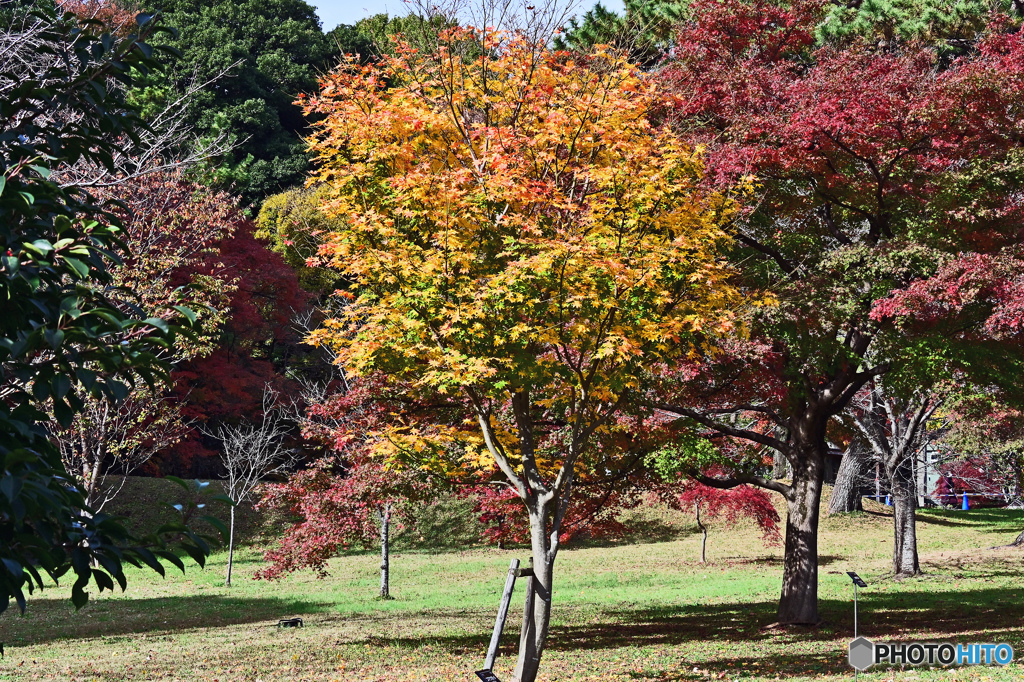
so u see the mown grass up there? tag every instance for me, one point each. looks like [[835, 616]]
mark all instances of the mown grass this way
[[634, 611]]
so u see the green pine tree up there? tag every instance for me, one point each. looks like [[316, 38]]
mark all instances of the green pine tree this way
[[644, 29], [952, 25]]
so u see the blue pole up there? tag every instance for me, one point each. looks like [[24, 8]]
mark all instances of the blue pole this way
[[966, 505]]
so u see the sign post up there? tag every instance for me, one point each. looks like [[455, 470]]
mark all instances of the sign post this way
[[857, 582]]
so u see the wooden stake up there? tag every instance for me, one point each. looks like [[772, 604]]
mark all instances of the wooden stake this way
[[527, 608], [499, 622]]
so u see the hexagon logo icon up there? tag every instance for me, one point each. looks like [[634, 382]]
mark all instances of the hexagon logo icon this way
[[862, 653]]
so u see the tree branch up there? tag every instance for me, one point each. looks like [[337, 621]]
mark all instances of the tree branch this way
[[725, 429], [760, 481]]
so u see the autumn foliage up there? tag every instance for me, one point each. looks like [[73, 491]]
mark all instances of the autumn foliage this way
[[504, 185], [170, 226], [594, 513], [730, 506], [338, 506], [102, 15], [883, 175], [350, 497], [255, 342], [518, 234]]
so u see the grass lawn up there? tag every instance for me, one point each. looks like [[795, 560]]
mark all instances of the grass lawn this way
[[631, 611]]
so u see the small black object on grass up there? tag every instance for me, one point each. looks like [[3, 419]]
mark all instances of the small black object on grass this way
[[290, 623], [487, 676], [857, 580]]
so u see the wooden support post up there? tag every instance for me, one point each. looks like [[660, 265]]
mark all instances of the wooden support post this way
[[528, 607], [499, 622]]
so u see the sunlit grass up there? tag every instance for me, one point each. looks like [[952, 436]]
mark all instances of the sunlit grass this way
[[639, 611]]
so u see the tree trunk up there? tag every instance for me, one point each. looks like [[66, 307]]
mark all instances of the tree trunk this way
[[231, 547], [846, 493], [385, 552], [921, 477], [904, 551], [798, 604], [537, 615], [878, 482], [704, 530], [1017, 489], [780, 466]]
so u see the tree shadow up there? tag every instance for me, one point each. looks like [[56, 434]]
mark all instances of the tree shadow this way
[[991, 519], [653, 531], [720, 631], [52, 619], [954, 617], [823, 560]]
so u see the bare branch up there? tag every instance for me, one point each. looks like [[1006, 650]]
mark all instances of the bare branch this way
[[255, 450]]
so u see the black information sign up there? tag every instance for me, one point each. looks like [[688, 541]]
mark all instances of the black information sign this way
[[487, 676], [858, 581]]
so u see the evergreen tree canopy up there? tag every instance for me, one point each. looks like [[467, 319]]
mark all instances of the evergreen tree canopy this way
[[270, 51], [644, 30], [418, 31], [953, 24], [63, 336]]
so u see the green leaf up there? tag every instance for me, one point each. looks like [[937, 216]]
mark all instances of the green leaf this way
[[13, 567], [54, 337], [218, 524], [69, 307], [60, 385], [103, 581], [197, 554], [158, 323], [187, 312], [43, 247], [172, 558], [79, 597], [118, 390], [178, 481], [62, 413], [79, 267], [150, 560], [10, 486], [86, 376], [40, 390]]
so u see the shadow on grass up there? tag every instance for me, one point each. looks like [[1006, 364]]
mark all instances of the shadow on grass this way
[[652, 532], [722, 637], [991, 519], [722, 631], [823, 560], [52, 619]]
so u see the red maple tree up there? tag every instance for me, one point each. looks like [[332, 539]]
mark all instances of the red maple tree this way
[[875, 170], [594, 513], [350, 497], [256, 343], [728, 505]]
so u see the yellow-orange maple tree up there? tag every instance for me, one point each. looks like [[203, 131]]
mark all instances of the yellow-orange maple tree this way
[[518, 232]]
